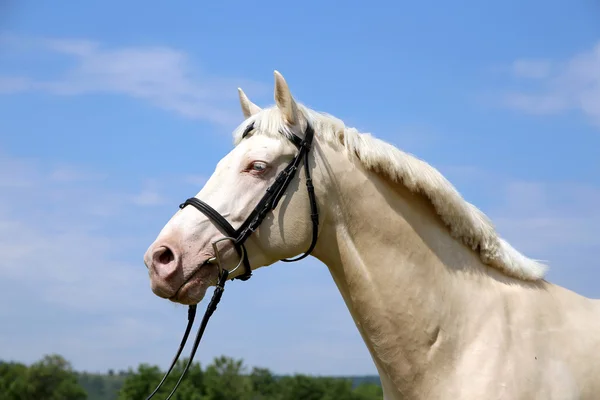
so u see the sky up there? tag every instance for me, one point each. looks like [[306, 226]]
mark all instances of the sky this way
[[113, 113]]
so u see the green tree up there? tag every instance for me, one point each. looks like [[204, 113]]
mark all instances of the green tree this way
[[225, 379], [264, 385], [51, 378], [368, 391], [13, 380], [337, 389], [139, 384], [101, 386], [301, 387]]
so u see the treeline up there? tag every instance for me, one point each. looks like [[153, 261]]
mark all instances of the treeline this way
[[52, 378]]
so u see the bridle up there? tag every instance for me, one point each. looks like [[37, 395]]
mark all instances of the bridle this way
[[237, 237]]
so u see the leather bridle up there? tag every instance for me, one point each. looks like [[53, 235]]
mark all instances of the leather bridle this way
[[267, 203]]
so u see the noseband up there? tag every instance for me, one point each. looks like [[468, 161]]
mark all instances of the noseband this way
[[238, 237]]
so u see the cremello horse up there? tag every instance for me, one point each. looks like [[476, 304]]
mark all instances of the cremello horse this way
[[447, 308]]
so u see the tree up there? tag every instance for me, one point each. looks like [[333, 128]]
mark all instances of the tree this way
[[224, 379], [100, 386], [263, 383], [337, 389], [13, 380], [139, 384], [51, 378], [301, 387], [368, 391]]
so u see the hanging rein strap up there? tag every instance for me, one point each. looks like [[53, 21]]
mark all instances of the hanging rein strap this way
[[210, 309]]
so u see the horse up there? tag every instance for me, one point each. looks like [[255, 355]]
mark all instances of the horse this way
[[446, 307]]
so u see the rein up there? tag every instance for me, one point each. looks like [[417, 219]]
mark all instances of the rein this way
[[267, 203]]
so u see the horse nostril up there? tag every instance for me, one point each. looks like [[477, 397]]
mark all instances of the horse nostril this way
[[165, 270], [164, 256]]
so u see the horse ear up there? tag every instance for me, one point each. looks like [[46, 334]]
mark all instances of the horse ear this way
[[284, 100], [248, 107]]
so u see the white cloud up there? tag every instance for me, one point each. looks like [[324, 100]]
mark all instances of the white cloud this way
[[162, 76], [540, 104], [49, 233], [70, 174], [195, 180], [15, 173], [9, 85], [67, 264], [534, 69], [547, 217], [558, 86], [551, 221], [152, 189], [149, 196]]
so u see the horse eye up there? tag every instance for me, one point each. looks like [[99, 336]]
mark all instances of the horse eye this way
[[258, 166]]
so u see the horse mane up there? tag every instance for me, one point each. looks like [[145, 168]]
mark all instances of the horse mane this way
[[465, 221]]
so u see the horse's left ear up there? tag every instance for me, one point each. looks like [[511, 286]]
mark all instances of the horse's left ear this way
[[284, 100]]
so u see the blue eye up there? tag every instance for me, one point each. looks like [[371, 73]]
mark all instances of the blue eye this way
[[258, 166]]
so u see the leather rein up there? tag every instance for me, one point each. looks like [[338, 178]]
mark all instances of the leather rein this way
[[237, 237]]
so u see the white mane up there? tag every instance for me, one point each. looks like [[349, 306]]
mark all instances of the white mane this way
[[464, 221]]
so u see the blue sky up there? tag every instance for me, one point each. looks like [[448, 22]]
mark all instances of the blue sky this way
[[112, 113]]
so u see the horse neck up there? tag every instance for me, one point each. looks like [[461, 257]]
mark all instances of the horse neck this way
[[402, 277]]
